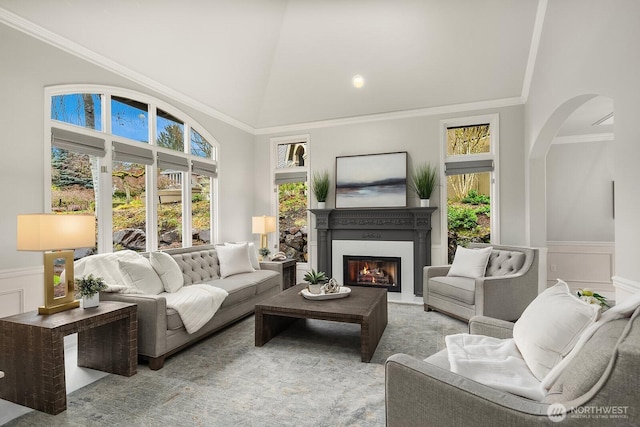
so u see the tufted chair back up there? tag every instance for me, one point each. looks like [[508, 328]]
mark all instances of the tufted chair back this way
[[503, 262]]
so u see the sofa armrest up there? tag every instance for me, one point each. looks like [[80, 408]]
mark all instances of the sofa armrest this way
[[419, 393], [505, 297], [277, 267], [434, 271], [152, 320], [491, 327]]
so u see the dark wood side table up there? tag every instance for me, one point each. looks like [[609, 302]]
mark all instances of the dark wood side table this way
[[286, 268], [32, 351]]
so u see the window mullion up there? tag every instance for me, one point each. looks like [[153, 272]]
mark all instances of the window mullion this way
[[152, 186], [105, 166], [187, 235]]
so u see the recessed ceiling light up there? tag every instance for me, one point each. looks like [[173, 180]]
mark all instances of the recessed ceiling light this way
[[358, 81]]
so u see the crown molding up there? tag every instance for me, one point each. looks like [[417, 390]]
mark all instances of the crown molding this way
[[533, 49], [418, 112], [577, 139], [18, 23]]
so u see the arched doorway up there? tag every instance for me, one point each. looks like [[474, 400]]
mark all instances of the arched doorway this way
[[571, 194]]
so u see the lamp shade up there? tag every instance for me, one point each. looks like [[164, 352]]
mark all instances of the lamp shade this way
[[49, 232], [263, 224]]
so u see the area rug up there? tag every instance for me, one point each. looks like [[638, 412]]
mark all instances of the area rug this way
[[309, 375]]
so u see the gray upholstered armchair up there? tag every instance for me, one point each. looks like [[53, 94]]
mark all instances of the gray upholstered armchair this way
[[600, 387], [509, 285]]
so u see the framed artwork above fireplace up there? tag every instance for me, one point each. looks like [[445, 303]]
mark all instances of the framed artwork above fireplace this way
[[372, 180]]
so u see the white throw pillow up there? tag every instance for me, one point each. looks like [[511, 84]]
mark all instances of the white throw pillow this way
[[253, 254], [234, 259], [470, 263], [168, 269], [141, 275], [550, 327]]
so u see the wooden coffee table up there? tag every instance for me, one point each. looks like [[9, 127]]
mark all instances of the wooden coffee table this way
[[365, 306]]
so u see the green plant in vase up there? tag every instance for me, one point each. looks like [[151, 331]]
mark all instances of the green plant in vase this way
[[320, 186], [316, 280], [423, 181], [264, 253], [88, 288]]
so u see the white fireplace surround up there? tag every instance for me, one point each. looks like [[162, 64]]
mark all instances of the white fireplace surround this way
[[403, 250]]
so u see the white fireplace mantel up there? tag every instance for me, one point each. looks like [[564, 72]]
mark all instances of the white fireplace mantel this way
[[376, 225]]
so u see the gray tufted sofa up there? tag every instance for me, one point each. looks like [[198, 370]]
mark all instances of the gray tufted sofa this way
[[160, 330], [509, 285]]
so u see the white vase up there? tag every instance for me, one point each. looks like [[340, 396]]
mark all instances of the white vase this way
[[315, 288], [322, 205], [424, 203], [92, 301]]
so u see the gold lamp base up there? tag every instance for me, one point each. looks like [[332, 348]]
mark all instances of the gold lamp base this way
[[58, 308], [53, 304]]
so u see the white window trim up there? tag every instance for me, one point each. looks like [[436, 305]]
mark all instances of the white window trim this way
[[494, 124], [273, 144], [105, 164]]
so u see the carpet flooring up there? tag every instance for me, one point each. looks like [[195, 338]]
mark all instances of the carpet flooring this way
[[309, 375]]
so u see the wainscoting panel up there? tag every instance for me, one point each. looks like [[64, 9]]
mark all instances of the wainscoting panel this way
[[582, 265], [20, 290]]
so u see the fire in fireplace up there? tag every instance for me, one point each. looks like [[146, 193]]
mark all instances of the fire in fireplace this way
[[372, 271]]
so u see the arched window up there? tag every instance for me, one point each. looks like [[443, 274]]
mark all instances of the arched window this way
[[122, 156]]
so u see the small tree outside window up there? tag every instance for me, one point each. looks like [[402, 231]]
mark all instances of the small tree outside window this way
[[468, 192]]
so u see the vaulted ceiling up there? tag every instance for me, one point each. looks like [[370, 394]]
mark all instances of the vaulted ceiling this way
[[268, 63]]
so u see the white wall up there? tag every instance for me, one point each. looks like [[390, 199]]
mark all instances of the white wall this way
[[588, 48], [30, 65], [420, 137], [580, 192]]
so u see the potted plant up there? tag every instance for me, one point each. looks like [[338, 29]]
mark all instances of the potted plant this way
[[88, 287], [424, 180], [320, 187], [264, 253], [316, 280]]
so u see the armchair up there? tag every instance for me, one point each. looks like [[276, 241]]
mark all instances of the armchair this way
[[510, 283], [599, 387]]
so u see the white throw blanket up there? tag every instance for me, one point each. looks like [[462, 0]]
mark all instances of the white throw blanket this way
[[494, 362], [498, 363], [196, 304]]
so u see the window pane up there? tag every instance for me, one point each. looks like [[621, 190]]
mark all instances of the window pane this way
[[292, 202], [73, 176], [80, 109], [170, 132], [200, 147], [130, 119], [467, 140], [129, 208], [169, 209], [469, 209], [200, 209], [292, 155]]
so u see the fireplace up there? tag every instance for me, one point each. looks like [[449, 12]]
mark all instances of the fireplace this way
[[372, 271], [372, 227]]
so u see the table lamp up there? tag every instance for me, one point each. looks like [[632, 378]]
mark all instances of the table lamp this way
[[52, 233], [263, 225]]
